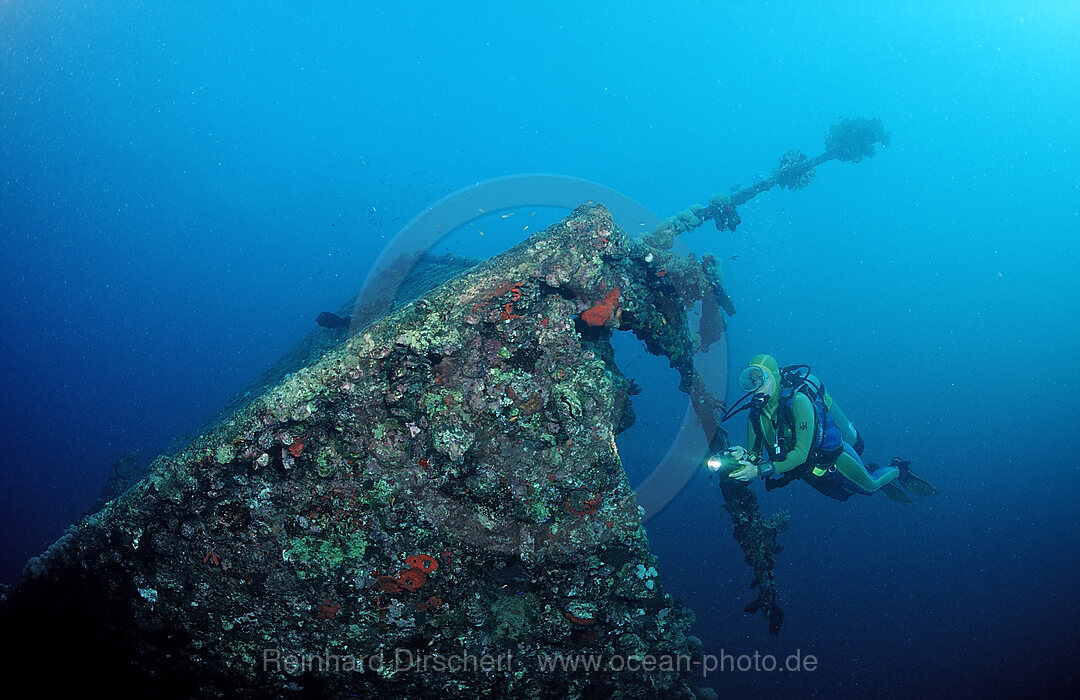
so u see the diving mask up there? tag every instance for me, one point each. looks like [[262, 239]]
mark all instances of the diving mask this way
[[753, 378]]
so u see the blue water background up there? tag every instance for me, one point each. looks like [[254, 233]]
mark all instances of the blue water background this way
[[183, 187]]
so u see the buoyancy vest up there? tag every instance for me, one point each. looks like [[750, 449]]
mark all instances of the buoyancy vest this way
[[827, 442]]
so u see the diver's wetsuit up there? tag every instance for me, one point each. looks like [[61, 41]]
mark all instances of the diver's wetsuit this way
[[846, 475]]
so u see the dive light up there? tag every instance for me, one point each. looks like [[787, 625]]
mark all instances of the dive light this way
[[722, 463]]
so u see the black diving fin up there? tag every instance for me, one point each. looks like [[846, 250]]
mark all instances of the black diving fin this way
[[909, 480], [890, 489], [895, 492]]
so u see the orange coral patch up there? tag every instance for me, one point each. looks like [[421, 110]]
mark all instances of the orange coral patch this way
[[422, 562], [412, 579], [297, 445], [603, 312]]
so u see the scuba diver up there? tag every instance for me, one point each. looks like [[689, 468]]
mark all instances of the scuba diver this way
[[796, 431]]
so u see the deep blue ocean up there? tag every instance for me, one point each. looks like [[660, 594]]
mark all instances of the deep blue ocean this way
[[185, 186]]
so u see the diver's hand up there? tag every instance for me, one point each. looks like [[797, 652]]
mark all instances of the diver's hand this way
[[738, 452], [748, 471]]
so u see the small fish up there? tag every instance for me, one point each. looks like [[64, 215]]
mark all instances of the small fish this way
[[507, 216], [329, 320]]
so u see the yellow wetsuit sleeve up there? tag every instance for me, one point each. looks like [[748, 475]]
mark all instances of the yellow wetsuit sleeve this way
[[804, 435]]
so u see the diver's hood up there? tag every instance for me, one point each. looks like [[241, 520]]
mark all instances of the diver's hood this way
[[760, 366]]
